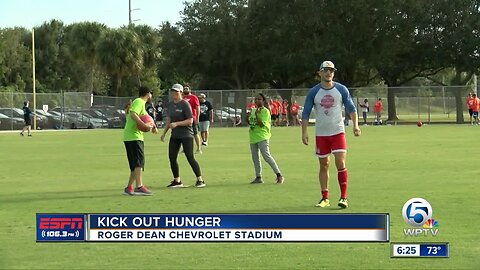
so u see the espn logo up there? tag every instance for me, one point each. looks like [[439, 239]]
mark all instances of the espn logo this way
[[61, 223]]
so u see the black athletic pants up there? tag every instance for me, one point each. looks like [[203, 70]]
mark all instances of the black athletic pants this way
[[174, 148]]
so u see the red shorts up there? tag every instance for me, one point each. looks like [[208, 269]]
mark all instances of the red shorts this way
[[330, 144]]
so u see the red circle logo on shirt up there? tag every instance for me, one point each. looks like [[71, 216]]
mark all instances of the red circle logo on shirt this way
[[327, 102]]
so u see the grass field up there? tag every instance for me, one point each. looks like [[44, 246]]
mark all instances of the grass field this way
[[85, 171]]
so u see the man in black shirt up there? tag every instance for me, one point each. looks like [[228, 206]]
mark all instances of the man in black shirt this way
[[159, 115], [27, 116], [206, 117], [150, 109]]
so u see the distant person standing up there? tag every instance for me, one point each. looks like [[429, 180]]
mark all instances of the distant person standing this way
[[180, 120], [159, 114], [150, 109], [470, 103], [377, 109], [278, 106], [365, 110], [284, 112], [273, 112], [206, 118], [195, 104], [327, 98], [259, 121], [133, 140], [476, 106], [27, 117], [294, 112]]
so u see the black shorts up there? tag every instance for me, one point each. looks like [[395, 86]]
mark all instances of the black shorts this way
[[195, 128], [135, 154], [470, 111], [274, 117], [28, 122]]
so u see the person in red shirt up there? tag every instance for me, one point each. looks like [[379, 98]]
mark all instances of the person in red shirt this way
[[475, 107], [250, 105], [294, 112], [279, 109], [377, 108], [284, 112], [273, 112], [195, 105], [470, 102]]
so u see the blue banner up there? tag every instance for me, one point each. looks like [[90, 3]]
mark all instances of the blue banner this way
[[61, 227], [238, 221]]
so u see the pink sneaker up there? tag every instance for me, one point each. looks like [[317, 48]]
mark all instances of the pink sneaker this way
[[142, 191], [128, 191]]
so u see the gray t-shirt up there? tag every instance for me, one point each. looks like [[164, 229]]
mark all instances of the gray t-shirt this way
[[178, 112]]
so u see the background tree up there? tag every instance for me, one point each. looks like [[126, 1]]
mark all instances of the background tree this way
[[119, 53], [15, 60], [83, 39]]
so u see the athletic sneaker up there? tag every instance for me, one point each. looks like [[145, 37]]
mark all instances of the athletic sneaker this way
[[257, 180], [343, 203], [175, 184], [200, 184], [280, 179], [199, 152], [142, 191], [128, 191], [205, 143], [323, 203], [21, 133]]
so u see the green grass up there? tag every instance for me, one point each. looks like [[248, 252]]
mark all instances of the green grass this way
[[85, 171]]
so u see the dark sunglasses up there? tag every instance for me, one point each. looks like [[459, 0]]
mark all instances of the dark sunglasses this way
[[328, 69]]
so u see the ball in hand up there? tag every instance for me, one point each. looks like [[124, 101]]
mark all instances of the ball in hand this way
[[147, 119]]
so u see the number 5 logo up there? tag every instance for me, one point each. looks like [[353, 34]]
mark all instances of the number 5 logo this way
[[416, 211]]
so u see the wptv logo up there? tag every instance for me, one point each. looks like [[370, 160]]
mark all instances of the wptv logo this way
[[417, 212]]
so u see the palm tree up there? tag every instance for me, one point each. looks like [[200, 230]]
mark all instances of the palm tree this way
[[83, 39], [120, 53]]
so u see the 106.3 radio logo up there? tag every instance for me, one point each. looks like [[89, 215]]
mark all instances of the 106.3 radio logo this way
[[417, 212]]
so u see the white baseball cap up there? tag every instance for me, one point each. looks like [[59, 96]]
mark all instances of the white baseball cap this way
[[202, 96], [327, 64], [177, 87]]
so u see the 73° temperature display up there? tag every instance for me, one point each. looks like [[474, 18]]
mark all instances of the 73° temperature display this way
[[419, 250]]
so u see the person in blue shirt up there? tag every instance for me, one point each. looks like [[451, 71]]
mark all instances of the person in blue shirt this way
[[27, 117]]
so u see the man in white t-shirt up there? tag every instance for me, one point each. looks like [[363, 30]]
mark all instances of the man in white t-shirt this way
[[328, 98], [365, 110]]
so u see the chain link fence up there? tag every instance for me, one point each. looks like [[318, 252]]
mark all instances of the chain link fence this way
[[432, 104], [417, 103]]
